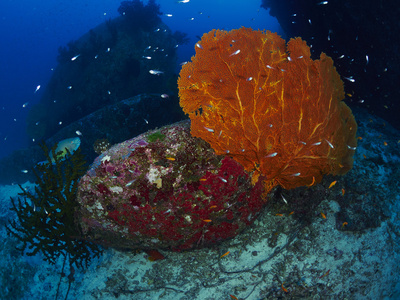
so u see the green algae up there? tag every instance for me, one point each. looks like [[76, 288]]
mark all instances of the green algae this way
[[156, 136]]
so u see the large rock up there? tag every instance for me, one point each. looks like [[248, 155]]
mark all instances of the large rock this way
[[165, 190]]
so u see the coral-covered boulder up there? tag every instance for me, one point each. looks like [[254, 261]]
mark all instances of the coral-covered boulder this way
[[165, 190]]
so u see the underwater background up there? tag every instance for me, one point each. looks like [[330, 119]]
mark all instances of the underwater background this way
[[33, 31], [98, 81]]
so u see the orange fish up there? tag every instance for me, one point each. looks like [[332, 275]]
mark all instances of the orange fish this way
[[291, 213], [279, 215], [154, 255], [343, 191], [384, 143], [207, 220], [202, 179], [170, 158], [360, 138], [364, 156], [323, 215], [213, 206], [344, 224], [284, 289], [332, 184], [225, 254], [313, 181], [233, 297]]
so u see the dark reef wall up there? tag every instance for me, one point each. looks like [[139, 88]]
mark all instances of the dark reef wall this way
[[108, 64], [362, 38], [115, 123]]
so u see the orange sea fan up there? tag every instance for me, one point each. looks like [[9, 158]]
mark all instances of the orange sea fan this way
[[269, 106]]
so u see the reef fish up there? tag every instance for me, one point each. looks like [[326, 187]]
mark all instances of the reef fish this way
[[71, 145]]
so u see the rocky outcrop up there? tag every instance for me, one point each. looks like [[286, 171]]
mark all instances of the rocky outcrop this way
[[165, 190], [108, 64]]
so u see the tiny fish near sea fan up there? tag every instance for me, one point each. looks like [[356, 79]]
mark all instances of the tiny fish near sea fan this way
[[269, 106]]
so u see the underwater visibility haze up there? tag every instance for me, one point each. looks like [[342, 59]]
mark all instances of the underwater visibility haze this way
[[199, 149]]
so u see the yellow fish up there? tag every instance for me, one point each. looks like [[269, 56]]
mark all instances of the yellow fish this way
[[71, 145]]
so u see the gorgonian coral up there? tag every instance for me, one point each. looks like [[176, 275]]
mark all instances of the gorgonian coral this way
[[269, 106], [46, 217]]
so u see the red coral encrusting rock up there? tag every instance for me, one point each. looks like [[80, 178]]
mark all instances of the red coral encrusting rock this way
[[166, 190]]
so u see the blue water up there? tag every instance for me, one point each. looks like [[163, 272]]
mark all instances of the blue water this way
[[32, 31]]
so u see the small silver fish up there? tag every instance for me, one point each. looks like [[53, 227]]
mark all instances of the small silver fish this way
[[329, 143], [75, 57], [235, 53], [349, 79], [156, 72], [130, 182], [37, 88], [272, 154]]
